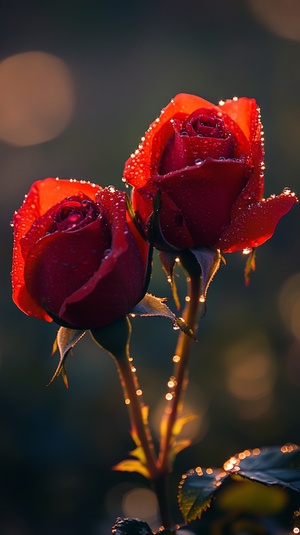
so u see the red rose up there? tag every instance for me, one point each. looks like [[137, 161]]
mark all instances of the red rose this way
[[77, 258], [207, 162]]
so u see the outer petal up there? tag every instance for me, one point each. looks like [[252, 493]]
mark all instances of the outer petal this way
[[60, 263], [246, 113], [144, 162], [256, 224], [42, 195], [196, 204], [119, 282]]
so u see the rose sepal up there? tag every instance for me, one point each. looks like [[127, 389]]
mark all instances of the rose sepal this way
[[65, 340], [114, 338], [151, 305], [208, 259]]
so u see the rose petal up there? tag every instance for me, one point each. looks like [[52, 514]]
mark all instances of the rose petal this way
[[186, 151], [144, 162], [42, 195], [246, 113], [59, 264], [203, 202], [256, 224], [110, 294]]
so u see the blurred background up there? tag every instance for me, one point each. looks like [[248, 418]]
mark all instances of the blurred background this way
[[79, 84]]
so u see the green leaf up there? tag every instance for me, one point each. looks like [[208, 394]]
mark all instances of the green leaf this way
[[139, 454], [155, 306], [65, 340], [196, 490], [132, 465], [271, 466], [130, 526]]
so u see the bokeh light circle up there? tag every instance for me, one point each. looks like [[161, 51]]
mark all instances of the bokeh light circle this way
[[280, 16], [36, 98]]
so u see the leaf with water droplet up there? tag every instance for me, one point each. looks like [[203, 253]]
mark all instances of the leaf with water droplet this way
[[270, 466], [196, 490], [65, 340], [155, 306]]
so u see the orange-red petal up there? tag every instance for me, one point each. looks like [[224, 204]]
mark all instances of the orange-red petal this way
[[256, 224], [42, 195]]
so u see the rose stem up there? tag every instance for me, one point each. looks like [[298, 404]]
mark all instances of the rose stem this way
[[190, 315], [140, 428], [137, 410]]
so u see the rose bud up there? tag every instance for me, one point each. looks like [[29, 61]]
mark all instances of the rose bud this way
[[77, 258], [207, 163]]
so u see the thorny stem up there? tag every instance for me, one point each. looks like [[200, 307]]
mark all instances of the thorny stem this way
[[160, 468], [137, 411], [182, 352], [140, 429]]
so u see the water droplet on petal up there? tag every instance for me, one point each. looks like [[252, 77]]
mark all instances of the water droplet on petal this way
[[287, 191]]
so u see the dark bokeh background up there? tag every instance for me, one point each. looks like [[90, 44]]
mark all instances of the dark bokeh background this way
[[122, 62]]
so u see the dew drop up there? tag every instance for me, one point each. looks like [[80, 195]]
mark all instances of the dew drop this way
[[175, 327], [127, 401], [187, 298], [287, 191], [139, 392], [202, 299], [169, 396], [172, 382], [198, 161], [176, 358], [247, 250]]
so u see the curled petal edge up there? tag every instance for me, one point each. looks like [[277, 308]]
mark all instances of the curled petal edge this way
[[257, 223]]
